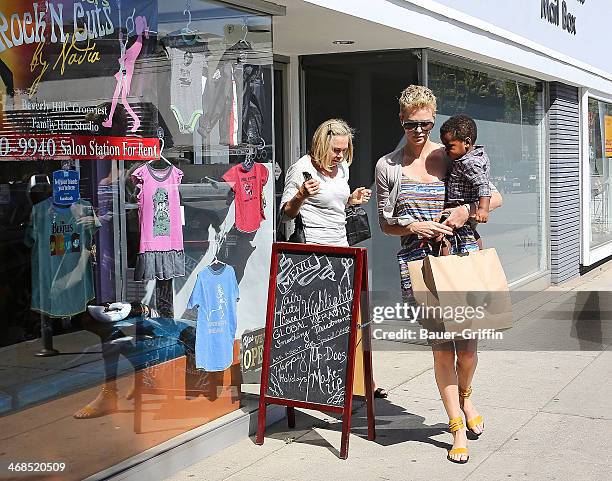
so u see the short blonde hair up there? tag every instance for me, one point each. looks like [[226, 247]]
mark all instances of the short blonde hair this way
[[416, 97], [321, 141]]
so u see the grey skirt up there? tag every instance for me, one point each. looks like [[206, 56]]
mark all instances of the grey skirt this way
[[162, 265]]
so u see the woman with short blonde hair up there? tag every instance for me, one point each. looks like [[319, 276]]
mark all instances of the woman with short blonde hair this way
[[416, 97], [411, 195], [317, 187]]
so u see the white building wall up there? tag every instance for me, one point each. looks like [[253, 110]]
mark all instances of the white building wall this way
[[480, 39]]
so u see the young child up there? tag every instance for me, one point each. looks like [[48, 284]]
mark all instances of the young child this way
[[468, 179]]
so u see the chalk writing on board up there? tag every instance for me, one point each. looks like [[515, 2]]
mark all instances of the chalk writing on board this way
[[311, 327], [303, 272]]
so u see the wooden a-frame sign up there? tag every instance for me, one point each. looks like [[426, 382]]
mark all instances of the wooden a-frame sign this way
[[315, 297]]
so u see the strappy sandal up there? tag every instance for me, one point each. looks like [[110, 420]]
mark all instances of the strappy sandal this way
[[109, 401], [456, 424], [380, 393], [471, 423]]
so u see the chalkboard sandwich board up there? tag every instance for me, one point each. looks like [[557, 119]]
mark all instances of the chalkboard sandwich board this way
[[315, 298]]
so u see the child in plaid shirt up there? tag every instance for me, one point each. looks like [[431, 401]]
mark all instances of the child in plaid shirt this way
[[468, 179]]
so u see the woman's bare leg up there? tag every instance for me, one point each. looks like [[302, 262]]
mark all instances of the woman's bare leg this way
[[446, 379], [467, 360]]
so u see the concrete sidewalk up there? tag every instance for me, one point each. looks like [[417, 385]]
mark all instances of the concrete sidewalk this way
[[547, 405]]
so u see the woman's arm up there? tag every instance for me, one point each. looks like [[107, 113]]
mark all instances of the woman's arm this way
[[496, 201], [292, 206], [395, 229], [296, 191], [389, 224], [425, 229]]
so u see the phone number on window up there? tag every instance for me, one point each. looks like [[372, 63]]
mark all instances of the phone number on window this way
[[28, 147], [78, 147]]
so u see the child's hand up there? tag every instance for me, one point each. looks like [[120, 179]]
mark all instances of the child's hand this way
[[482, 215]]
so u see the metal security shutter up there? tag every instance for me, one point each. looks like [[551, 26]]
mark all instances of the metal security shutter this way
[[564, 148]]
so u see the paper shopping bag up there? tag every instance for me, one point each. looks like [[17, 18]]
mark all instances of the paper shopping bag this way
[[463, 292], [472, 289]]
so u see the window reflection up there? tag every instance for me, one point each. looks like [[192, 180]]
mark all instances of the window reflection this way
[[194, 80], [508, 112], [600, 153]]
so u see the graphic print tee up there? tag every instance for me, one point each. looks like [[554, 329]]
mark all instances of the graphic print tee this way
[[61, 240], [159, 208], [215, 294], [248, 187]]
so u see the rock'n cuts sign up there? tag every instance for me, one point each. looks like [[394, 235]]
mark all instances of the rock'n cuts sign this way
[[314, 302]]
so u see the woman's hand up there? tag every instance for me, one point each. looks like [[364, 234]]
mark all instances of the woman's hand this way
[[309, 188], [429, 229], [360, 195], [457, 218]]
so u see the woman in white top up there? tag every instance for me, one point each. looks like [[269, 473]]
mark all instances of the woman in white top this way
[[317, 186], [322, 199]]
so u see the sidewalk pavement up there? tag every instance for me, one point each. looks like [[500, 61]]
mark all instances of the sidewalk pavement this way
[[547, 406]]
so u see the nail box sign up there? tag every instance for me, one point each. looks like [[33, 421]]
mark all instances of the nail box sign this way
[[557, 12]]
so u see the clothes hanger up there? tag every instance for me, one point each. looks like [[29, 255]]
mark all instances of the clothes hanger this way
[[248, 162], [161, 155], [187, 29], [187, 34], [216, 261], [242, 43], [133, 27]]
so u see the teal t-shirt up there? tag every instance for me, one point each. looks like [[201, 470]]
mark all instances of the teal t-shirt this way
[[61, 239]]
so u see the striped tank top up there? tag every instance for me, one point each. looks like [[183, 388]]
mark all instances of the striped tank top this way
[[424, 201]]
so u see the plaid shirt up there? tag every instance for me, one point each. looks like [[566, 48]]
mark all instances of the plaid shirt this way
[[469, 178]]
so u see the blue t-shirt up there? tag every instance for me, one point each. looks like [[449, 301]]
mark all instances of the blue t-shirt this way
[[61, 239], [215, 295]]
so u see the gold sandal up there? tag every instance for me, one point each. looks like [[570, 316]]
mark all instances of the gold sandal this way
[[90, 411], [454, 425], [471, 423]]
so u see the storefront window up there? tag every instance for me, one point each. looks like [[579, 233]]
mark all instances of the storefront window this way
[[362, 88], [600, 155], [508, 111], [136, 219]]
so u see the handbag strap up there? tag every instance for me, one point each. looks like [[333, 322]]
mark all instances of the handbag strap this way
[[436, 247], [297, 219]]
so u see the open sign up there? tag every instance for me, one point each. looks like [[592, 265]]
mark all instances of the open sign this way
[[252, 346]]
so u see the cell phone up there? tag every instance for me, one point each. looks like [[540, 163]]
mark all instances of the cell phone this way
[[443, 217], [307, 176]]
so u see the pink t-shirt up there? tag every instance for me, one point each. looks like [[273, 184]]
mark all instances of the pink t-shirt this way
[[159, 208], [248, 187]]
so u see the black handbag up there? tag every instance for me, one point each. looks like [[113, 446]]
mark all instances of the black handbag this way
[[357, 224], [298, 236]]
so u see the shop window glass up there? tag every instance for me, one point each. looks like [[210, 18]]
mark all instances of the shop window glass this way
[[136, 219], [508, 111], [600, 155]]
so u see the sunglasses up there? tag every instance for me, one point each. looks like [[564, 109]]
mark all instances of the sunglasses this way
[[412, 125]]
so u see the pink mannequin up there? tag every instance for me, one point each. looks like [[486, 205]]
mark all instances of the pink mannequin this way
[[126, 72]]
